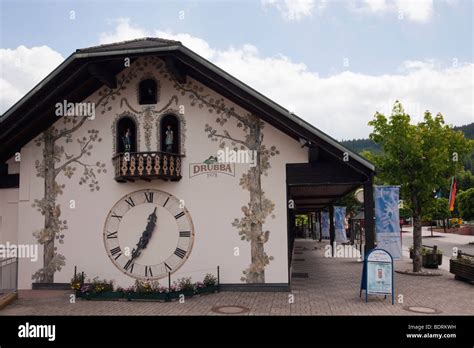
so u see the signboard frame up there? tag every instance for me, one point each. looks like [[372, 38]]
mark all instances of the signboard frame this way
[[366, 285]]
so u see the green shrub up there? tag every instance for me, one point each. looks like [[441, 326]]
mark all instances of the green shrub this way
[[210, 280]]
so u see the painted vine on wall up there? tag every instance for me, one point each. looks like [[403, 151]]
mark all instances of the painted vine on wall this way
[[56, 161], [259, 207]]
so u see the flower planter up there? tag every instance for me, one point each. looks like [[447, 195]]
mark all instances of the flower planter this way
[[147, 296], [142, 290], [207, 289], [461, 270], [428, 260], [431, 260]]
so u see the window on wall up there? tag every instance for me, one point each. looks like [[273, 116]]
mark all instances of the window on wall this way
[[148, 92], [170, 137], [126, 136]]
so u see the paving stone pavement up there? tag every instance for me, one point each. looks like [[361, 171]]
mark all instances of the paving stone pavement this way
[[332, 288]]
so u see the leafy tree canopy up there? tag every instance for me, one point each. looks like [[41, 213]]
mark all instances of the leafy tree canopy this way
[[466, 204], [421, 158]]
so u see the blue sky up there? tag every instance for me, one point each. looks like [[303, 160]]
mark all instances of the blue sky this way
[[405, 42]]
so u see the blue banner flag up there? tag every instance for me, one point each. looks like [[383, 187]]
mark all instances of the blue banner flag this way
[[339, 224], [325, 224], [387, 220]]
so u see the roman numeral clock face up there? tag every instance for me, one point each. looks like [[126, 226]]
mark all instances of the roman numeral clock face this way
[[148, 234]]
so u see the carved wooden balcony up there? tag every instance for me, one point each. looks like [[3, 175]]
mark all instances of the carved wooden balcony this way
[[131, 166]]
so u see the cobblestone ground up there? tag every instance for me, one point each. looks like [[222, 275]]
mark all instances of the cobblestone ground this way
[[332, 288]]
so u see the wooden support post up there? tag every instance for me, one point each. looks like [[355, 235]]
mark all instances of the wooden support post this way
[[332, 231], [310, 224], [369, 216], [320, 227]]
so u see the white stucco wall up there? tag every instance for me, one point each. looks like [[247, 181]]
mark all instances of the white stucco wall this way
[[212, 202], [8, 215]]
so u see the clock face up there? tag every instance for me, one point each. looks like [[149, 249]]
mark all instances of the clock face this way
[[148, 234]]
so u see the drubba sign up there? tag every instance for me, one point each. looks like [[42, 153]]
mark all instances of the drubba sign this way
[[377, 275]]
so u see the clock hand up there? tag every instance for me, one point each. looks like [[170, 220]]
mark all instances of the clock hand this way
[[146, 235]]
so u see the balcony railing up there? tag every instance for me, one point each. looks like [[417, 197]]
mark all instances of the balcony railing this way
[[130, 166]]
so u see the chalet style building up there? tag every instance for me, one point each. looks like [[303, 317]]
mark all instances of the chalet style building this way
[[141, 159]]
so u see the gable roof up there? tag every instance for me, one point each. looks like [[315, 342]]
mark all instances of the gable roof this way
[[73, 80], [147, 42]]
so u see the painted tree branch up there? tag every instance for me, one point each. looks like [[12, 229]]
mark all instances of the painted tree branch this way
[[73, 159], [230, 138], [215, 104], [65, 131]]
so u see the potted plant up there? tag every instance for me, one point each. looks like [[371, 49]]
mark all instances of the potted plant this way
[[209, 285], [76, 283], [186, 286], [100, 289], [431, 258], [174, 291], [412, 252], [462, 267], [456, 222], [146, 290], [85, 291]]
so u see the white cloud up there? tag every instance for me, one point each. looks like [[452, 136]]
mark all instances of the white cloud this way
[[408, 65], [420, 11], [376, 5], [196, 44], [296, 9], [21, 69], [126, 31], [122, 32]]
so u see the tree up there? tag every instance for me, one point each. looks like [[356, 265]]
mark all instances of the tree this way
[[438, 209], [301, 220], [464, 180], [466, 204], [56, 161], [405, 212], [419, 158]]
